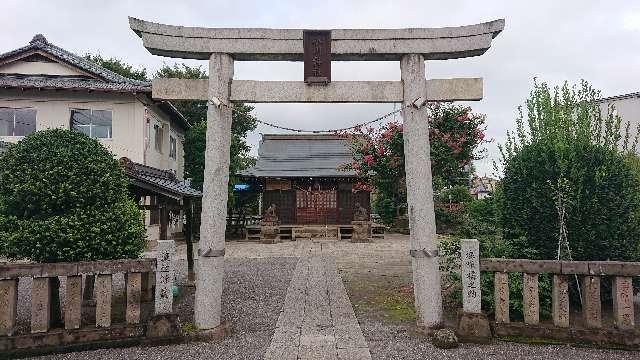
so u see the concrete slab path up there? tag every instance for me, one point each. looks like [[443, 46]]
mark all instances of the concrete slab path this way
[[317, 320]]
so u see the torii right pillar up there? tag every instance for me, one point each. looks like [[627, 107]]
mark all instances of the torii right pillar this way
[[422, 220]]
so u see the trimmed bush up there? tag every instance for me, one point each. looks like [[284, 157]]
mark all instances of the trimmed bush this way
[[63, 197], [602, 203]]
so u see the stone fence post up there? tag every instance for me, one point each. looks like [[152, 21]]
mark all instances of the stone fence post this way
[[165, 274], [473, 325]]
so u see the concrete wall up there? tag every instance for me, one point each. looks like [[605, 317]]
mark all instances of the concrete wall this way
[[130, 130], [628, 109]]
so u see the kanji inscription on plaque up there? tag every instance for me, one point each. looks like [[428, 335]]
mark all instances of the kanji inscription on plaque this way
[[317, 56]]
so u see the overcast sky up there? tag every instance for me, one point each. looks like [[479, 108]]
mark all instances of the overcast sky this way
[[552, 40]]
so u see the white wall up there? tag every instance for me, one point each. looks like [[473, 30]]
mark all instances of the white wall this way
[[53, 111], [129, 122], [629, 110], [161, 159], [38, 68]]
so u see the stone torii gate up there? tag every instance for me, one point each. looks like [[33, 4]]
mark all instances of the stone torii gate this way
[[411, 47]]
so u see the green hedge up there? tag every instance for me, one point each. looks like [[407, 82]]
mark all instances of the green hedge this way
[[63, 197]]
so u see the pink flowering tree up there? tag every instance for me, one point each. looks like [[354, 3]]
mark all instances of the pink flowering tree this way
[[378, 155]]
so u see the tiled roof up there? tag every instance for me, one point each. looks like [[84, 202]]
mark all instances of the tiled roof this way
[[40, 43], [621, 97], [301, 156], [163, 181], [100, 79], [67, 83]]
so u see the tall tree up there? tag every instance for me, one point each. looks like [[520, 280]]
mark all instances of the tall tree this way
[[119, 67], [196, 111], [378, 155], [568, 180]]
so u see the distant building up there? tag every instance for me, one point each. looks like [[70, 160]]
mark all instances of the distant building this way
[[627, 106], [44, 86], [3, 147], [482, 187]]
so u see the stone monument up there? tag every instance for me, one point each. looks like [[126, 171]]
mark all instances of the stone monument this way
[[473, 325], [361, 224], [270, 226]]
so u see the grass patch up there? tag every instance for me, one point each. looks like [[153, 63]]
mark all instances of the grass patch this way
[[188, 328], [398, 306]]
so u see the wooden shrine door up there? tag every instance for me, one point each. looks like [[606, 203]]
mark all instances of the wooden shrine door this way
[[316, 207]]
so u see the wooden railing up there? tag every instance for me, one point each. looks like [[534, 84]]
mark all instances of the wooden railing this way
[[141, 276], [589, 273]]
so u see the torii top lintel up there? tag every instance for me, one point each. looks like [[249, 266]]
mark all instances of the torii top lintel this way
[[256, 44]]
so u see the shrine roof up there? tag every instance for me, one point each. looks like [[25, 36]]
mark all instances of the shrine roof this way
[[288, 156]]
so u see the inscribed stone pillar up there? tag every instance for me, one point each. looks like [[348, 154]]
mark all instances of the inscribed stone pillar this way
[[501, 296], [214, 199], [470, 256], [591, 305], [560, 301], [623, 303], [104, 289], [165, 273], [422, 222], [40, 303], [73, 303], [134, 287], [531, 300], [8, 306]]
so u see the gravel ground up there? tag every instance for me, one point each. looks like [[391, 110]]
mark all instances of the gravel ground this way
[[254, 291], [394, 342]]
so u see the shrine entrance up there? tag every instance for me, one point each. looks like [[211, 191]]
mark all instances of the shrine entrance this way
[[318, 48]]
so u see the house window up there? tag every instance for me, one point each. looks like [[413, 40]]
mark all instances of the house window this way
[[172, 147], [158, 137], [17, 122], [93, 123]]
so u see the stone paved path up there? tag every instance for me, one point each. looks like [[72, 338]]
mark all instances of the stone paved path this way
[[317, 320]]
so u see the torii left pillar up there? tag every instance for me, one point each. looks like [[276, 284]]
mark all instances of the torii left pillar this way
[[215, 195]]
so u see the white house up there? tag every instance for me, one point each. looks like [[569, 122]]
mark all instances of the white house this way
[[627, 106], [44, 86]]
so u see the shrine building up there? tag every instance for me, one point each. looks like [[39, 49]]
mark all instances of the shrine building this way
[[301, 176]]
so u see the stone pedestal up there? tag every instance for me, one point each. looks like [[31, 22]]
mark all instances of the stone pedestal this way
[[623, 303], [501, 296], [8, 304], [73, 303], [473, 327], [269, 232], [104, 289], [560, 301], [40, 303], [591, 304], [531, 299], [361, 231]]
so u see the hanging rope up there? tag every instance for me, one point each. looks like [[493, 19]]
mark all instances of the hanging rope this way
[[333, 131], [418, 103]]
